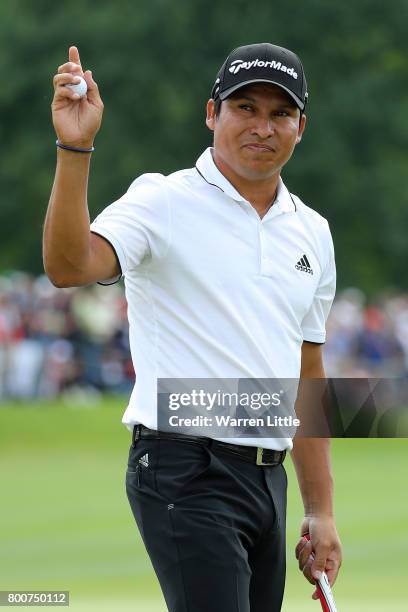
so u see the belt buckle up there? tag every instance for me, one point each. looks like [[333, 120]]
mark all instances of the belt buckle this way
[[259, 457]]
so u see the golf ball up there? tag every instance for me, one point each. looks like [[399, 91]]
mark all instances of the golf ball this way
[[78, 88]]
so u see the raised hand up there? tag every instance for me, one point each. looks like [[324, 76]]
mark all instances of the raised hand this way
[[76, 120]]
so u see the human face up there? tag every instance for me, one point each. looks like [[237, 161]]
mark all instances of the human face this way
[[256, 131]]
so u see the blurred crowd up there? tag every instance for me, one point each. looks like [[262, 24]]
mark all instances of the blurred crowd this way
[[62, 341], [75, 341]]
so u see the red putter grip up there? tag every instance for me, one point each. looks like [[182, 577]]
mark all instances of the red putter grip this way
[[324, 590]]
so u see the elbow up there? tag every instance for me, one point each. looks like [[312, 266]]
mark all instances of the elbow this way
[[59, 284], [57, 281], [56, 277]]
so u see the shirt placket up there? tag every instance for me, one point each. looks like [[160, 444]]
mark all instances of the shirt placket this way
[[265, 231], [263, 227]]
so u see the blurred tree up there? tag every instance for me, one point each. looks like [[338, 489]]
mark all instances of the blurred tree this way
[[155, 63]]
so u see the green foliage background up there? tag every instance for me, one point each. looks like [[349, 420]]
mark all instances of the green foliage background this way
[[155, 63]]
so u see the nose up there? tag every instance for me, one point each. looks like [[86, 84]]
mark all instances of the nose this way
[[264, 127]]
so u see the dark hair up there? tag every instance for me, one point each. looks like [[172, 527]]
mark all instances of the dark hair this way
[[217, 107]]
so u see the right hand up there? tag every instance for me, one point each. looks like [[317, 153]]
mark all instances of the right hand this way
[[76, 120]]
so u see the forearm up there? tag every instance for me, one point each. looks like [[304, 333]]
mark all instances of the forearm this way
[[311, 458], [66, 238], [323, 552]]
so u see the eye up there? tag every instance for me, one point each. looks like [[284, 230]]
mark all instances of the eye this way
[[282, 113], [246, 107]]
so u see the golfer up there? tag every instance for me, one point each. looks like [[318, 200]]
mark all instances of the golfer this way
[[227, 275]]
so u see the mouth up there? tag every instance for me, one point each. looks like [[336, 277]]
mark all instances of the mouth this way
[[259, 148]]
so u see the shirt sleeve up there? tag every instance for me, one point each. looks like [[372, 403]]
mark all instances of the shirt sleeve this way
[[314, 322], [136, 225]]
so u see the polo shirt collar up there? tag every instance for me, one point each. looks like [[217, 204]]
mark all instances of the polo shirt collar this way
[[211, 174]]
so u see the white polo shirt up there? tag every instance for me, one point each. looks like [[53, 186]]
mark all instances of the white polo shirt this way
[[214, 291]]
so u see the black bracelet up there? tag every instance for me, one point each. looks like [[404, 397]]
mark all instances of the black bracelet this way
[[77, 150]]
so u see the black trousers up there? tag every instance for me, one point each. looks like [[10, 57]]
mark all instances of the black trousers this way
[[213, 526]]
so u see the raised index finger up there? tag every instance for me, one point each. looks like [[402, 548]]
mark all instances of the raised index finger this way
[[74, 55]]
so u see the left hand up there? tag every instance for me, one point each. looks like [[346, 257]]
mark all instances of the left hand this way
[[322, 552]]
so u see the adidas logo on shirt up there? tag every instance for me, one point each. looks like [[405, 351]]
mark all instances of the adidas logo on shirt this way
[[303, 265], [144, 460]]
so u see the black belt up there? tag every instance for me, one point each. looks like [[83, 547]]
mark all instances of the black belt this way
[[252, 454]]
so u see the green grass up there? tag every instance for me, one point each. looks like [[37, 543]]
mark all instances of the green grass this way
[[66, 524]]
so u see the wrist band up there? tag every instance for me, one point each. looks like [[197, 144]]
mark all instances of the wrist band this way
[[76, 149]]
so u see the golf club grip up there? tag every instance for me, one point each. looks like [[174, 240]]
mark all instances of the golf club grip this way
[[324, 590]]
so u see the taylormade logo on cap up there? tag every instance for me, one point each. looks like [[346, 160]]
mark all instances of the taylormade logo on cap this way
[[262, 62], [236, 66]]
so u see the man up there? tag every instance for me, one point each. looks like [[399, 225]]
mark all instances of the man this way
[[227, 275]]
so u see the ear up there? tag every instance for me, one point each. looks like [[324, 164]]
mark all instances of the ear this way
[[210, 120], [302, 125]]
